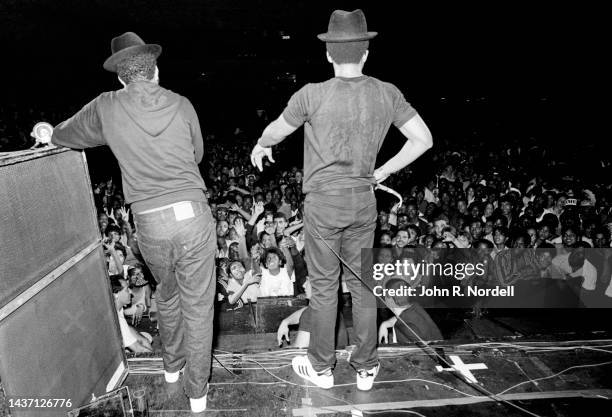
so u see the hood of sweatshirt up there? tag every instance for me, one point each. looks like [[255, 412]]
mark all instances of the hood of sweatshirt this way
[[151, 107]]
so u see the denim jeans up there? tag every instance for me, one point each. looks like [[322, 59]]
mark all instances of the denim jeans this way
[[181, 256], [347, 224]]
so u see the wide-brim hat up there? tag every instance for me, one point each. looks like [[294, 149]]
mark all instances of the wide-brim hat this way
[[127, 45], [347, 27]]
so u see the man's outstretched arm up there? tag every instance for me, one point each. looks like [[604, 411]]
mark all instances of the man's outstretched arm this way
[[273, 134], [83, 130], [419, 141]]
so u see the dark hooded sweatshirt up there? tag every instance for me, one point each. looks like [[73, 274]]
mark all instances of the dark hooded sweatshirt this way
[[154, 134]]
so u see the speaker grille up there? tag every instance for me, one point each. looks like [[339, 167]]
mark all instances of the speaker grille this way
[[64, 342], [46, 216]]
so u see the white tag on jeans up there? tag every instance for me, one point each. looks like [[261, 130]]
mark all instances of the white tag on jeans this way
[[183, 211]]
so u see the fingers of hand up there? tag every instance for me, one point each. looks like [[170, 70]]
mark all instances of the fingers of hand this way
[[253, 160], [268, 152]]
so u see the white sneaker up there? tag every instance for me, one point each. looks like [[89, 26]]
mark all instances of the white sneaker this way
[[198, 404], [171, 377], [365, 378], [302, 366]]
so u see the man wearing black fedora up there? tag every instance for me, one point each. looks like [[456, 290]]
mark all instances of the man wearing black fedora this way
[[155, 135], [345, 122]]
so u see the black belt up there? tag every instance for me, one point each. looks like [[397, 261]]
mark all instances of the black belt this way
[[346, 191]]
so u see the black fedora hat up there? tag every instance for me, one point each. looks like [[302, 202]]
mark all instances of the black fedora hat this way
[[347, 27], [126, 45]]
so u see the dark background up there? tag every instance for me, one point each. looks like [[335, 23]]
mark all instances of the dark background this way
[[499, 73]]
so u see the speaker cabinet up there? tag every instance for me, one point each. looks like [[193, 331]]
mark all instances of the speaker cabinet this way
[[46, 215], [59, 333]]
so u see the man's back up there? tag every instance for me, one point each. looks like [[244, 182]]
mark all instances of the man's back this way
[[345, 122], [154, 134], [420, 322]]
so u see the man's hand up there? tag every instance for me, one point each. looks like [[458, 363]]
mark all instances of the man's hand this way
[[462, 242], [252, 279], [258, 208], [111, 214], [124, 213], [292, 228], [289, 242], [383, 334], [380, 175], [137, 315], [239, 227], [448, 237], [286, 243], [257, 155], [282, 332]]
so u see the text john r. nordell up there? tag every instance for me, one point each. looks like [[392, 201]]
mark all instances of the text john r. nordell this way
[[454, 291]]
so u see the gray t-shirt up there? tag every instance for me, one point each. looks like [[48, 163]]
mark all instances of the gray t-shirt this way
[[345, 122]]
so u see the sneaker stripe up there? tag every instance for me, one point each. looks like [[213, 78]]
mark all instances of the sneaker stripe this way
[[304, 369]]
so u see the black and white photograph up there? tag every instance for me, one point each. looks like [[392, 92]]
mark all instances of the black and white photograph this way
[[304, 208]]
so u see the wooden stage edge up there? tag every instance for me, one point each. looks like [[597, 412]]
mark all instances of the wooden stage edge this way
[[594, 393]]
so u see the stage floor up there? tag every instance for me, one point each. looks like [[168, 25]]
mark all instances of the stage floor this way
[[263, 384], [552, 363], [251, 376]]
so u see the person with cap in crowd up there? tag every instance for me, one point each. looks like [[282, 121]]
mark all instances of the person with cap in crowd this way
[[155, 135], [345, 122]]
